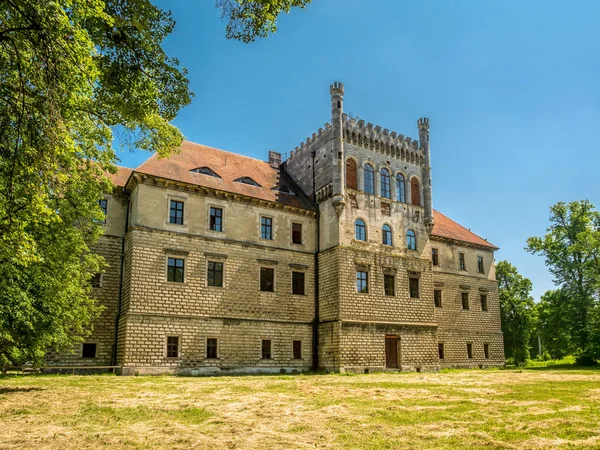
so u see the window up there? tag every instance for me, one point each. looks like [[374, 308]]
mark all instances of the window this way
[[369, 179], [484, 304], [441, 350], [386, 234], [266, 349], [461, 262], [88, 350], [389, 285], [298, 283], [400, 188], [284, 189], [434, 257], [211, 348], [351, 178], [247, 180], [411, 240], [384, 175], [415, 192], [267, 279], [486, 351], [214, 276], [172, 346], [266, 228], [437, 298], [360, 230], [297, 349], [215, 219], [176, 212], [413, 287], [104, 207], [465, 300], [296, 233], [175, 268], [480, 264], [205, 171], [362, 282], [96, 280], [470, 351]]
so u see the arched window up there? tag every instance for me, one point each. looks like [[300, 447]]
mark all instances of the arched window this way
[[360, 230], [369, 179], [351, 178], [385, 183], [415, 191], [400, 188], [411, 240], [386, 234]]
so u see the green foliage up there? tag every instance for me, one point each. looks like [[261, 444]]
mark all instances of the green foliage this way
[[517, 311], [249, 19], [554, 313], [571, 248], [70, 71]]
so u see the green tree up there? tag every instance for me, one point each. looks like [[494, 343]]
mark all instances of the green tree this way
[[571, 248], [554, 312], [517, 311]]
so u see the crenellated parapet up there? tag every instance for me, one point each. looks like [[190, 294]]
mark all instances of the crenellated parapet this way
[[317, 139], [380, 140]]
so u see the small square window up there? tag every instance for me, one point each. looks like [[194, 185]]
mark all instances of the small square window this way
[[464, 296], [362, 282], [484, 302], [211, 348], [480, 264], [486, 351], [461, 262], [389, 285], [176, 212], [298, 283], [96, 280], [435, 257], [214, 275], [296, 233], [441, 350], [175, 268], [172, 346], [266, 228], [297, 349], [437, 298], [470, 351], [88, 350], [215, 219], [413, 287], [267, 279], [266, 349]]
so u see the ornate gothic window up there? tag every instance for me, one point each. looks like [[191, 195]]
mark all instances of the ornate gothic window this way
[[411, 240], [360, 230], [400, 188], [369, 179], [415, 191], [351, 178], [386, 234], [385, 183]]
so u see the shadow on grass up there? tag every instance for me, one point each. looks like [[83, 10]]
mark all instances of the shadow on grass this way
[[565, 367], [16, 390]]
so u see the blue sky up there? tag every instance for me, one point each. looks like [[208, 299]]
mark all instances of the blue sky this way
[[512, 90]]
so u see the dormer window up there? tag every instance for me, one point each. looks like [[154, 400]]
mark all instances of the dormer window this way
[[284, 189], [206, 171], [247, 180]]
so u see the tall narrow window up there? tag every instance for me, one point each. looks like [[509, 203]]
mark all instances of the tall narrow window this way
[[267, 279], [172, 346], [214, 275], [104, 207], [96, 280], [176, 212], [413, 287], [415, 192], [175, 267], [389, 285], [480, 264], [441, 350], [461, 262], [360, 230], [411, 240], [351, 178], [298, 283], [266, 349], [400, 188], [464, 297], [266, 228], [386, 234], [216, 219], [384, 175], [437, 298], [296, 233], [369, 179], [297, 349], [486, 351], [470, 351], [211, 348], [484, 302], [362, 282], [435, 257]]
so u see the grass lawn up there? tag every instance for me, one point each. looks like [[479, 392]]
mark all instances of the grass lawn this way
[[530, 408]]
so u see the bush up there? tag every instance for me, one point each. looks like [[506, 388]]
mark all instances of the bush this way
[[585, 360]]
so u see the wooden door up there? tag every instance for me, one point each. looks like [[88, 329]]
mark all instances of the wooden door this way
[[391, 352]]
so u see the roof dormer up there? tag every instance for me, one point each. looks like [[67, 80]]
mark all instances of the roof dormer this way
[[206, 171], [247, 180]]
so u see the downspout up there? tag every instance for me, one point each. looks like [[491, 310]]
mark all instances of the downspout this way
[[318, 243], [119, 302]]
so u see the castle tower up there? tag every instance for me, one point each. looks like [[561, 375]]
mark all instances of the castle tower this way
[[423, 125], [337, 104]]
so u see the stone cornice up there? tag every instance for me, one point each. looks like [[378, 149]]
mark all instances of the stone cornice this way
[[451, 241]]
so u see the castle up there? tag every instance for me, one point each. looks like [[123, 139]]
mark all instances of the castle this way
[[331, 259]]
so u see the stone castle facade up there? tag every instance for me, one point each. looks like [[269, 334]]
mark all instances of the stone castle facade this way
[[330, 259]]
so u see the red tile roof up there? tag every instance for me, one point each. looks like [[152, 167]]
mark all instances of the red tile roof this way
[[120, 178], [229, 167], [447, 228]]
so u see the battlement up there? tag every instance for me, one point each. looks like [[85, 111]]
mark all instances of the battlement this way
[[423, 124], [322, 135], [337, 89]]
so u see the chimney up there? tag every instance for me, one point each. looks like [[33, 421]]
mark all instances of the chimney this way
[[274, 159]]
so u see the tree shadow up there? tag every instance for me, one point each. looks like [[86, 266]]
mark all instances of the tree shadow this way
[[16, 390], [566, 367]]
